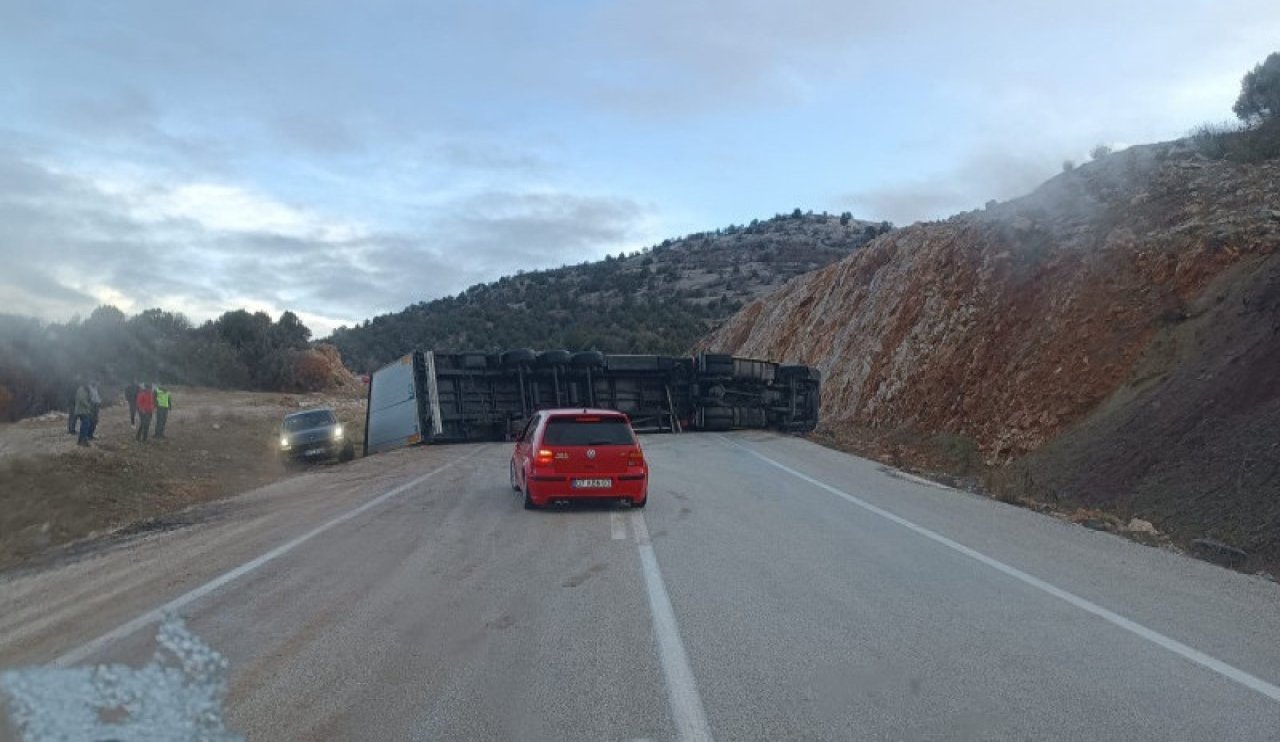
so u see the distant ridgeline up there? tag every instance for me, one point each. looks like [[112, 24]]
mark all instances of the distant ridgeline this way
[[658, 300]]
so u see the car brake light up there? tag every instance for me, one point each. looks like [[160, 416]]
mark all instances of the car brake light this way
[[635, 458], [545, 455]]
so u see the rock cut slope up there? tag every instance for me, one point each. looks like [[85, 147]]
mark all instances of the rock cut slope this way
[[1083, 306]]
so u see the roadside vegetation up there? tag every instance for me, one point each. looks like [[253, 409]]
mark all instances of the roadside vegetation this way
[[1255, 135], [40, 363]]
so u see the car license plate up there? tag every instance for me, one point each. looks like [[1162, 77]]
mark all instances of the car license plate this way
[[314, 451], [592, 484]]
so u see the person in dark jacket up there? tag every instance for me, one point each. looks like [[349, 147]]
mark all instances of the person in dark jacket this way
[[131, 396], [146, 406]]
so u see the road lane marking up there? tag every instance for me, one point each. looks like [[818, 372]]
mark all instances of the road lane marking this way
[[86, 650], [1213, 664], [617, 526], [682, 691]]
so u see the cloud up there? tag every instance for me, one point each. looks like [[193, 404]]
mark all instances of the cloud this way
[[72, 242], [985, 175]]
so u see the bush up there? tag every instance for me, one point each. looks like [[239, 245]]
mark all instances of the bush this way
[[1238, 143], [1099, 152]]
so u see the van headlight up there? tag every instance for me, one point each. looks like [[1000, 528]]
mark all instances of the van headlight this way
[[337, 433], [284, 441]]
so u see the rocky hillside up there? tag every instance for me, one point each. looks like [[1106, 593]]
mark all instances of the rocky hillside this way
[[1111, 339], [660, 300]]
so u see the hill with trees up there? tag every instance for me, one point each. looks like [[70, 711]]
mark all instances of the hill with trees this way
[[658, 300], [40, 363]]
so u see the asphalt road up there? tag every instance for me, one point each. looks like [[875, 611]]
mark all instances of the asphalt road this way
[[772, 590]]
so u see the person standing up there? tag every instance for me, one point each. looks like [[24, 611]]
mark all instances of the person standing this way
[[95, 406], [71, 406], [163, 402], [146, 406], [131, 396], [83, 409]]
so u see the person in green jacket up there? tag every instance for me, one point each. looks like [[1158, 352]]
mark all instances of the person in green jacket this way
[[84, 411], [163, 402]]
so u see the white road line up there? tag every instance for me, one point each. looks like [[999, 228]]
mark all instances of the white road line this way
[[1230, 672], [682, 692], [86, 650], [617, 526]]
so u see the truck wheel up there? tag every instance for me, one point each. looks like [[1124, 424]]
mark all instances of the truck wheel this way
[[519, 356], [554, 358], [587, 359], [714, 418]]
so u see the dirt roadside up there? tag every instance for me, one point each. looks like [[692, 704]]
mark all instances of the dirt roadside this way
[[218, 444]]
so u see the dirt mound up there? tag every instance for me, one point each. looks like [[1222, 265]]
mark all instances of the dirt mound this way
[[1001, 329]]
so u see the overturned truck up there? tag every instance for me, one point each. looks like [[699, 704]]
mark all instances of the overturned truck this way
[[436, 397]]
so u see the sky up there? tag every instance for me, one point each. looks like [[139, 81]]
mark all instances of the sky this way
[[342, 160]]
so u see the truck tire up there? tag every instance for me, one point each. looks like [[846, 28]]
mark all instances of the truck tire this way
[[554, 358], [762, 372], [519, 357], [587, 359], [714, 418]]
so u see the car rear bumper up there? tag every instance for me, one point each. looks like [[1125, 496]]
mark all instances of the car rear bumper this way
[[546, 488]]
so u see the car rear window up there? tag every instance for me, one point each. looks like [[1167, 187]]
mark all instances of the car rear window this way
[[307, 420], [588, 431]]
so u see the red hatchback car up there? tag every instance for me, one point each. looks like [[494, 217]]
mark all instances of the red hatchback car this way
[[579, 455]]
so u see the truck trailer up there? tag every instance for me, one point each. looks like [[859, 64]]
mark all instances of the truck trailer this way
[[447, 397]]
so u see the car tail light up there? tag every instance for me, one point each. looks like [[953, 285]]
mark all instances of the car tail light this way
[[545, 455], [635, 458]]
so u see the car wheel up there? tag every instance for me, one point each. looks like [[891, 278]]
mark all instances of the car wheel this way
[[640, 505], [514, 484], [529, 504]]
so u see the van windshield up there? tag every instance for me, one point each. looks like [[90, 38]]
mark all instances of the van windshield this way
[[308, 420], [588, 431]]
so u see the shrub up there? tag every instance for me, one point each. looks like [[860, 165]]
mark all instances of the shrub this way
[[1099, 152]]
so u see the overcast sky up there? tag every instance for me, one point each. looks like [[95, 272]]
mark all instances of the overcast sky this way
[[346, 159]]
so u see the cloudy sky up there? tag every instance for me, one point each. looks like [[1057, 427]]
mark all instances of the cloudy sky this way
[[346, 159]]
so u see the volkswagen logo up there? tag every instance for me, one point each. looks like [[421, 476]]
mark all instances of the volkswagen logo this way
[[591, 453]]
